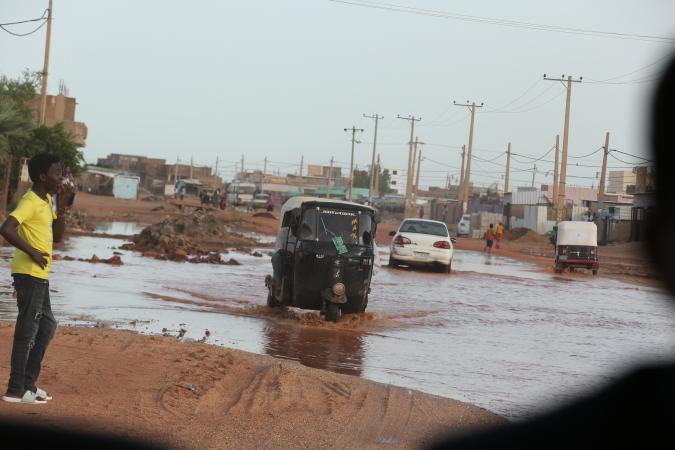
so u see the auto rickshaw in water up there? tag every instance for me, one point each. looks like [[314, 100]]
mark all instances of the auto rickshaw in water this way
[[576, 245], [324, 256]]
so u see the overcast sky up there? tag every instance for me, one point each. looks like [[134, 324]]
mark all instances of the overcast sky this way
[[283, 78]]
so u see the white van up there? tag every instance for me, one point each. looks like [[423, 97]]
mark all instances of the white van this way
[[240, 194], [464, 225]]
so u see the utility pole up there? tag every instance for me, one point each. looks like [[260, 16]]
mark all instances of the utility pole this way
[[175, 171], [265, 166], [302, 163], [467, 178], [191, 165], [45, 68], [408, 184], [601, 189], [417, 178], [376, 184], [353, 129], [242, 167], [216, 170], [461, 175], [566, 132], [508, 167], [330, 175], [377, 118], [534, 173], [414, 165], [555, 175]]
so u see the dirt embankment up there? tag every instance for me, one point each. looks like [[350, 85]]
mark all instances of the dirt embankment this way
[[191, 395]]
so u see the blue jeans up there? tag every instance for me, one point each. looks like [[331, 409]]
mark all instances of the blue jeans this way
[[35, 328]]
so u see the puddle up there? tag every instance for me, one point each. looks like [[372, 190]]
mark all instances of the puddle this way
[[495, 332]]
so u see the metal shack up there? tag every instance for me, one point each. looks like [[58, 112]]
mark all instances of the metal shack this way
[[126, 186]]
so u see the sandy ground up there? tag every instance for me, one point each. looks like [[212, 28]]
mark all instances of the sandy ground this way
[[194, 395]]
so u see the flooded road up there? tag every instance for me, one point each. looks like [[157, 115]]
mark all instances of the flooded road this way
[[497, 332]]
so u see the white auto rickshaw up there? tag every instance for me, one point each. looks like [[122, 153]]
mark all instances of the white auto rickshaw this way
[[576, 246]]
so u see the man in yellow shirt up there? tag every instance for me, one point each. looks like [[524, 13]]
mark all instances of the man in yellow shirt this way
[[31, 228]]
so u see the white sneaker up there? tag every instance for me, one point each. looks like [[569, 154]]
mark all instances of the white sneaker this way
[[28, 397], [41, 393]]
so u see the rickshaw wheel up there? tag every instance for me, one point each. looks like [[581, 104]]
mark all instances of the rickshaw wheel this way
[[365, 304], [332, 312], [271, 301]]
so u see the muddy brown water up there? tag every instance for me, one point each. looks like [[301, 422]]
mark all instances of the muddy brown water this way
[[496, 332]]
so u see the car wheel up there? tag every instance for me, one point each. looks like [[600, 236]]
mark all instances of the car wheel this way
[[392, 262]]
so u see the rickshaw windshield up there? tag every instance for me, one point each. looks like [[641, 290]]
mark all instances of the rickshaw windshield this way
[[324, 224]]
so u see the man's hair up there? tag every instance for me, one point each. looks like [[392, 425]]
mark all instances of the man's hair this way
[[40, 164]]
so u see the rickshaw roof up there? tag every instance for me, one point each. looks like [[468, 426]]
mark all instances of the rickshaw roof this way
[[297, 202], [577, 233]]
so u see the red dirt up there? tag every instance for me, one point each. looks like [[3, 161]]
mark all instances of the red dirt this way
[[194, 395]]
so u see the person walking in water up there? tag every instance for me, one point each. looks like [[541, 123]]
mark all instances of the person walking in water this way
[[32, 228], [489, 239], [500, 235]]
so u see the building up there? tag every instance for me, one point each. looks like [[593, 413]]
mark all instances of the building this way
[[314, 170], [620, 181], [397, 180], [154, 174], [61, 109]]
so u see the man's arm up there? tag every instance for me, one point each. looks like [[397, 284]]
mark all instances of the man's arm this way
[[59, 225], [9, 231]]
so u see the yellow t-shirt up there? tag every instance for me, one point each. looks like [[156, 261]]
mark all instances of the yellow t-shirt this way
[[35, 217]]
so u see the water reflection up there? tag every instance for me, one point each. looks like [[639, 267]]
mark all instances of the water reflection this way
[[337, 351], [118, 228]]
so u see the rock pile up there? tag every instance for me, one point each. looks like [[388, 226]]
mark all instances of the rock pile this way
[[199, 237]]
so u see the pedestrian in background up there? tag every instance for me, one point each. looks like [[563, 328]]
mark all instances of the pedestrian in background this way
[[500, 235], [489, 239]]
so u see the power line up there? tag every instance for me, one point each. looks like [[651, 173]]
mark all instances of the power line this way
[[504, 22], [3, 25], [625, 162], [631, 155], [586, 156], [639, 69], [519, 111]]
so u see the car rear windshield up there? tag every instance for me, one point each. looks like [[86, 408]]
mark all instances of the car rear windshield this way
[[420, 226]]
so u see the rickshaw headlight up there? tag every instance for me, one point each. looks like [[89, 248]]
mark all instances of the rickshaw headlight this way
[[339, 289]]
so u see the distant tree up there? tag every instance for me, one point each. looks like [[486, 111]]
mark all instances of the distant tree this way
[[384, 182], [361, 179], [19, 136]]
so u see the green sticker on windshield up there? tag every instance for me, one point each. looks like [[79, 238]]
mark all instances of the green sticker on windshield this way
[[339, 245]]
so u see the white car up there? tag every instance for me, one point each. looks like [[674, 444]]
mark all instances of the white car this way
[[464, 225], [420, 242]]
